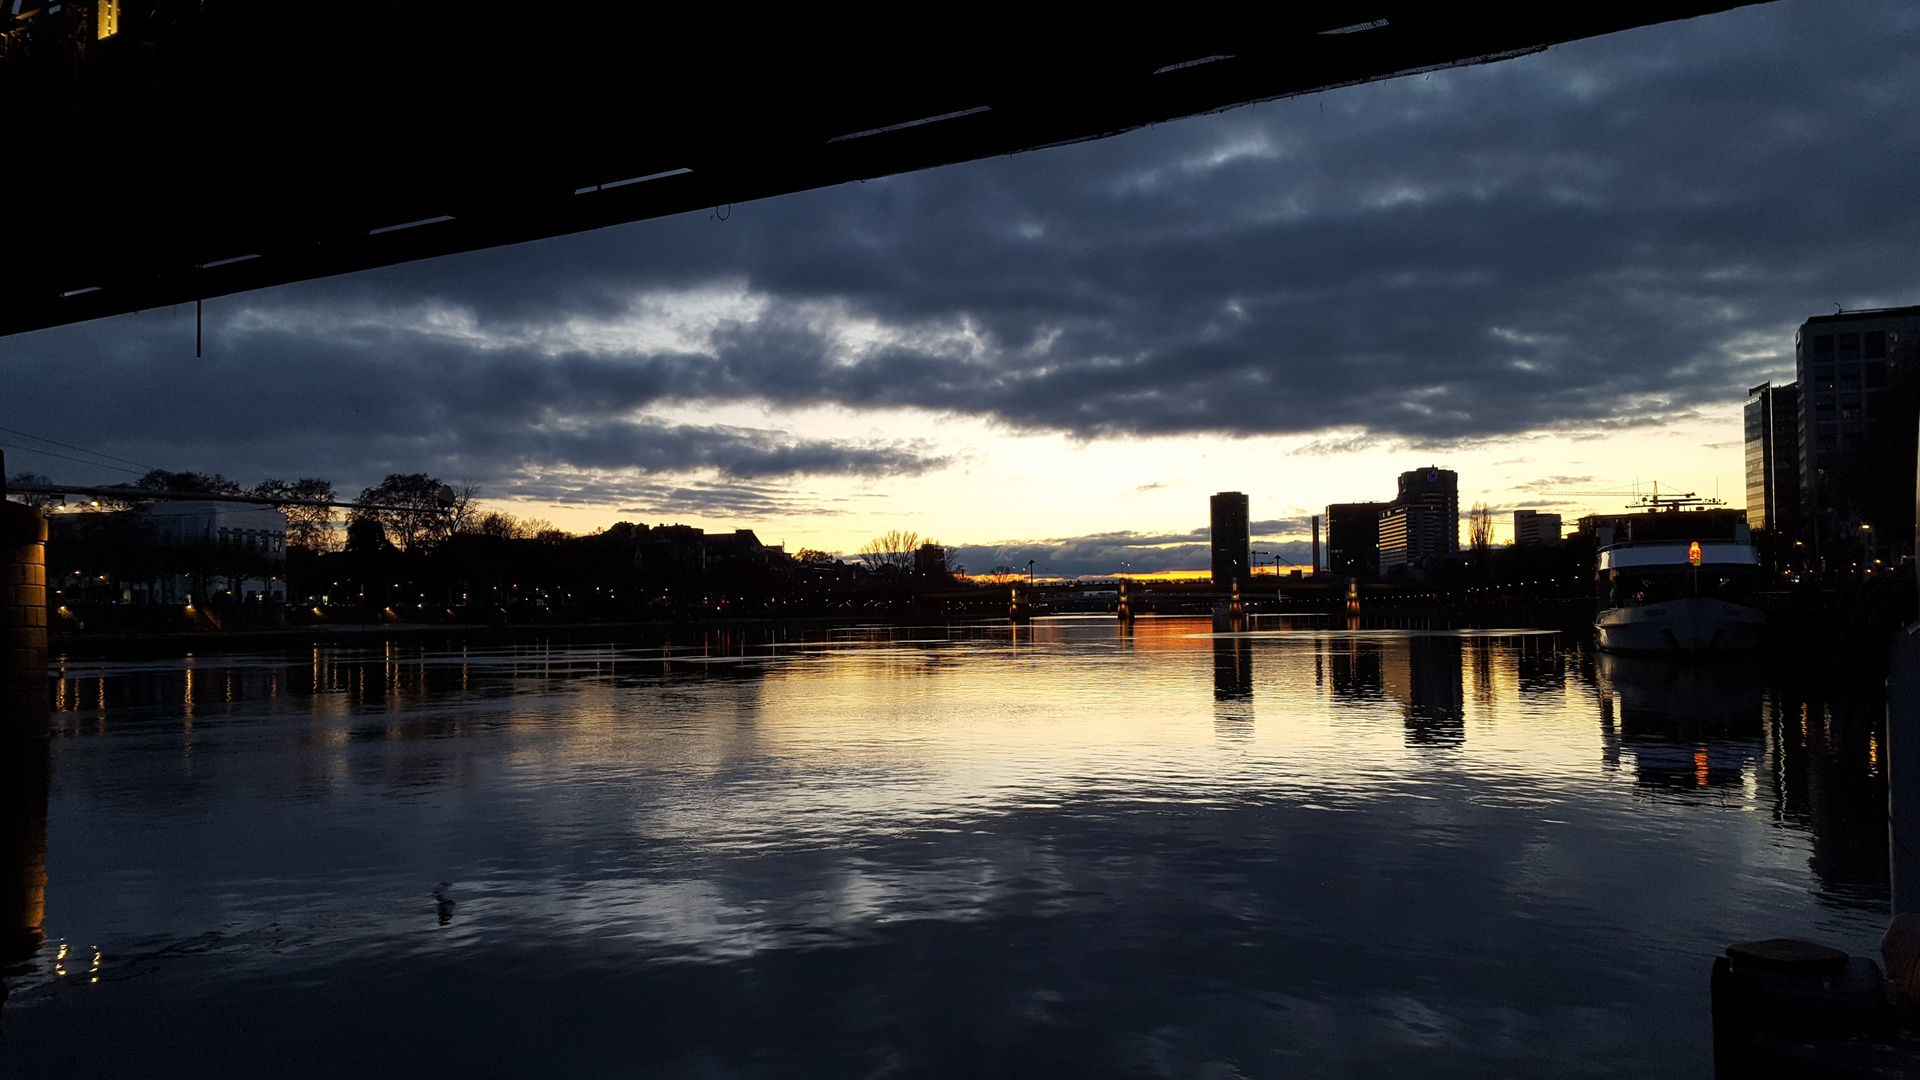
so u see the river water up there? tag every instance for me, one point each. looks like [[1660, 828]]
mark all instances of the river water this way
[[1065, 849]]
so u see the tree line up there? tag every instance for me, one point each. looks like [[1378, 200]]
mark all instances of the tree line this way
[[414, 511]]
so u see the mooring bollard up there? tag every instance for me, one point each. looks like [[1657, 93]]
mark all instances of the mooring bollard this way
[[23, 620]]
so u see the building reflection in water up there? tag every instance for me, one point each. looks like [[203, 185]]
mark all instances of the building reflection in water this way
[[1232, 685], [1430, 690], [1717, 730], [1824, 763], [1354, 667]]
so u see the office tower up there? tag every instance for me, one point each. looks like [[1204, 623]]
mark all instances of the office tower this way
[[1353, 539], [1845, 362], [1422, 526], [1230, 537], [1773, 457], [1531, 528], [1316, 545]]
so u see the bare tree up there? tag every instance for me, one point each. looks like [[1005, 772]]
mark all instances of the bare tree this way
[[499, 523], [1480, 529], [35, 499], [894, 551], [191, 482], [416, 510], [310, 527]]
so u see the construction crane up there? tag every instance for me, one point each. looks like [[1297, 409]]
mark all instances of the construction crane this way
[[1655, 501]]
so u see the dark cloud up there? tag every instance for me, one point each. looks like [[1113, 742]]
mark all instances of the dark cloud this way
[[1613, 234], [1143, 553], [363, 400]]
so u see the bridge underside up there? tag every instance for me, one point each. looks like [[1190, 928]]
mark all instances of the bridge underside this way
[[201, 150]]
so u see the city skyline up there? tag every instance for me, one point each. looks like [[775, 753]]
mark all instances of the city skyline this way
[[1536, 274]]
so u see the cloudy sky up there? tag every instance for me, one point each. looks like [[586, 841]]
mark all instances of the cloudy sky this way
[[1554, 274]]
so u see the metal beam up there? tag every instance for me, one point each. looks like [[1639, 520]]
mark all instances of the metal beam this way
[[211, 148]]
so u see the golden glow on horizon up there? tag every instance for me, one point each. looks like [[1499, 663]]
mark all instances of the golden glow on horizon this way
[[1024, 491]]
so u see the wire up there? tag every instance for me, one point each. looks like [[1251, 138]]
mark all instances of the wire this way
[[66, 457], [70, 446]]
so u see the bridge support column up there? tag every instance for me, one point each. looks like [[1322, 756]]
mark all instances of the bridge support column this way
[[1125, 607], [1017, 609], [23, 621]]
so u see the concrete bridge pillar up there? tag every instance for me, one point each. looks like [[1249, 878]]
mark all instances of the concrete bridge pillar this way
[[23, 621], [23, 728], [1017, 609], [1125, 607]]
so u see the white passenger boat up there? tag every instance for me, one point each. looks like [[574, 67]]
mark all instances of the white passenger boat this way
[[1672, 593]]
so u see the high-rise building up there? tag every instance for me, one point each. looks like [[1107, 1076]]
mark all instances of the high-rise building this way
[[1229, 533], [1353, 539], [1531, 528], [1394, 542], [1422, 526], [1843, 363], [1773, 457]]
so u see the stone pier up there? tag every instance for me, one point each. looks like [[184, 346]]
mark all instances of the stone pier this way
[[23, 621]]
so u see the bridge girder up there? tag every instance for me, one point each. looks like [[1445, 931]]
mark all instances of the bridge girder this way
[[242, 145]]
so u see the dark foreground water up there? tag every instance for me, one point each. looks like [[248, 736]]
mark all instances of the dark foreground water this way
[[1061, 851]]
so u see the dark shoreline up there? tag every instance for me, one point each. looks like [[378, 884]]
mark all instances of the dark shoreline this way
[[214, 641]]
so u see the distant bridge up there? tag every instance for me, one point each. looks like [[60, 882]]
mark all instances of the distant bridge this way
[[165, 151]]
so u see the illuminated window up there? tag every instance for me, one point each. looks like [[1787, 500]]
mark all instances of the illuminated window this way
[[107, 17]]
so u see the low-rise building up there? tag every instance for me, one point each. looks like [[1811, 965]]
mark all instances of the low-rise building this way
[[1532, 528]]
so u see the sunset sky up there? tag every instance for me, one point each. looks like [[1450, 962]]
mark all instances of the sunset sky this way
[[1557, 273]]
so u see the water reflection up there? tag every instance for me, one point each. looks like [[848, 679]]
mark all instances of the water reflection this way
[[1716, 729], [1355, 668], [1430, 691], [1150, 840], [25, 779], [1232, 685]]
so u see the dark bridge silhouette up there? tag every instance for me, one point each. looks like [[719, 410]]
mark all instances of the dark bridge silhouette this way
[[205, 147]]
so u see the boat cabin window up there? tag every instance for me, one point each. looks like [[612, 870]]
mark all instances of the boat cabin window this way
[[1639, 586]]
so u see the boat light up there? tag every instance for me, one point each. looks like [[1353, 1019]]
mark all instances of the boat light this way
[[1693, 554]]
